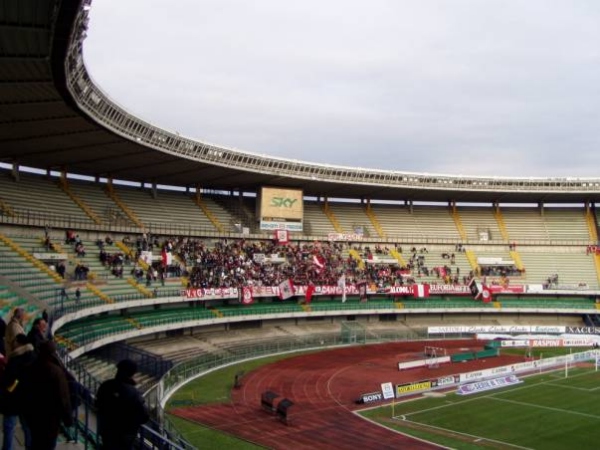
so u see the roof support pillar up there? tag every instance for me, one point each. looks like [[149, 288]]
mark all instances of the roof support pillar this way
[[16, 174], [63, 176]]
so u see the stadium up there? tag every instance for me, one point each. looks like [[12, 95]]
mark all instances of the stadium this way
[[192, 258]]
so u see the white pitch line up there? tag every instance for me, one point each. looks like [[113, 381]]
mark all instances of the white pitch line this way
[[548, 408], [475, 438], [575, 388]]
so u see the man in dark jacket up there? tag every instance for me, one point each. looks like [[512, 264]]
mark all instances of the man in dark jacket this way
[[121, 409], [46, 398], [19, 365], [38, 332]]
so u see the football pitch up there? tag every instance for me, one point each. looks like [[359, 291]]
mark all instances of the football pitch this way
[[552, 411]]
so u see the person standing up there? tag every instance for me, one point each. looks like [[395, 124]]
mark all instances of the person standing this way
[[47, 400], [38, 333], [13, 329], [120, 409], [2, 335], [19, 363]]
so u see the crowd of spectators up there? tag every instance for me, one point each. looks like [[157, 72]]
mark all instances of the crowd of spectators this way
[[223, 263], [234, 263], [34, 385]]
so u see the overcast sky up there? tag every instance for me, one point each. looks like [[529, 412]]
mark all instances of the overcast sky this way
[[473, 87]]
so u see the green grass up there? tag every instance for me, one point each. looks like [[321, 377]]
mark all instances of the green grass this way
[[206, 438], [547, 412]]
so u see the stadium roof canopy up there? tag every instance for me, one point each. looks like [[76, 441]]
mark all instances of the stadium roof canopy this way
[[53, 117]]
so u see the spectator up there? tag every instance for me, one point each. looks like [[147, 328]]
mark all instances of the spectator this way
[[14, 328], [46, 394], [69, 237], [77, 296], [37, 334], [121, 409], [2, 336], [19, 364]]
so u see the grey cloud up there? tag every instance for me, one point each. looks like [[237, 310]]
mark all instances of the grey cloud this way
[[495, 87]]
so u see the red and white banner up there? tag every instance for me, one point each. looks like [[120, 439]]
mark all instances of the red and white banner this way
[[211, 292], [286, 289], [341, 288], [166, 257], [282, 236], [421, 290], [344, 237], [319, 263], [310, 290], [517, 289], [247, 295]]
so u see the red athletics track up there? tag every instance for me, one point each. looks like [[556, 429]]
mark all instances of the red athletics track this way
[[324, 387]]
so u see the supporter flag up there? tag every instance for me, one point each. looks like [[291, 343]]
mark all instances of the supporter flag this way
[[480, 291], [166, 256], [342, 285], [486, 294], [310, 290], [319, 263], [474, 288], [286, 289], [362, 291], [420, 290], [247, 295], [282, 236]]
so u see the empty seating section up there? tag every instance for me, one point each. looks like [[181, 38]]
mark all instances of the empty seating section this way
[[176, 348], [566, 225], [40, 195], [572, 265], [480, 224], [102, 205], [26, 285], [220, 213], [167, 208], [436, 222], [172, 209], [316, 222], [397, 221], [242, 212], [525, 224], [352, 219]]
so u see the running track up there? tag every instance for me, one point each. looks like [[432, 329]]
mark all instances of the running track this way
[[324, 387]]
